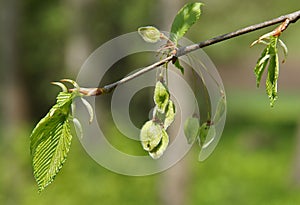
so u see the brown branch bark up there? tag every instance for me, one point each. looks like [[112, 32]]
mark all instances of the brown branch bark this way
[[285, 19]]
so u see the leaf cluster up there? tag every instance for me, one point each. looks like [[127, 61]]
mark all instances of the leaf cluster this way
[[153, 135], [269, 59], [50, 140], [182, 22], [204, 133]]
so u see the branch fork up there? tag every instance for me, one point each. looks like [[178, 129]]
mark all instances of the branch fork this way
[[285, 20]]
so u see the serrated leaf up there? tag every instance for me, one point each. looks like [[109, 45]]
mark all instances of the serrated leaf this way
[[177, 65], [261, 65], [59, 111], [191, 129], [150, 135], [161, 96], [64, 100], [273, 71], [50, 141], [170, 114], [50, 145], [158, 151], [51, 154], [150, 34], [184, 19]]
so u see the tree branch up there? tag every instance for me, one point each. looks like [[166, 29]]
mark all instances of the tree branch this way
[[285, 19], [292, 17]]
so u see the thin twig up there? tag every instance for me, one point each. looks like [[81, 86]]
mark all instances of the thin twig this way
[[110, 87], [292, 17]]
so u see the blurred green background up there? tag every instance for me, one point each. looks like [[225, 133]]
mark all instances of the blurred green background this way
[[257, 160]]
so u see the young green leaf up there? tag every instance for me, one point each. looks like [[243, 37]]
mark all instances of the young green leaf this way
[[161, 96], [170, 114], [150, 34], [158, 151], [273, 71], [191, 129], [270, 57], [150, 135], [184, 19], [50, 141], [261, 65]]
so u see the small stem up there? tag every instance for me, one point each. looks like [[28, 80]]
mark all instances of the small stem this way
[[292, 18]]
